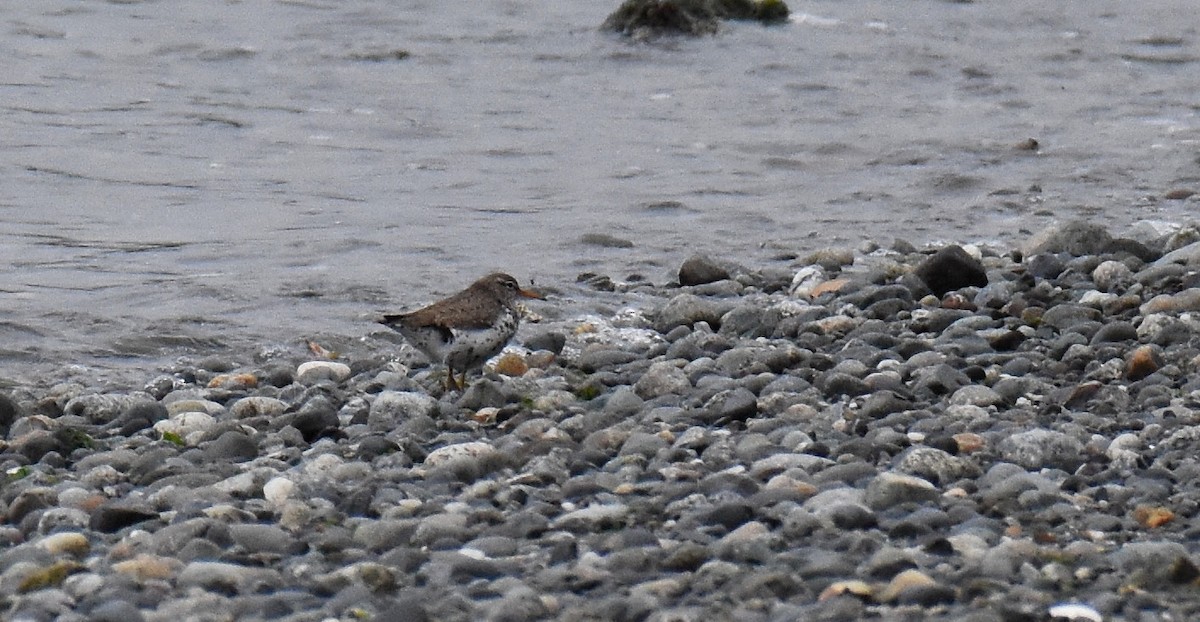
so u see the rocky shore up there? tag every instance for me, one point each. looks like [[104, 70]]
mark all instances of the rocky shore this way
[[957, 433]]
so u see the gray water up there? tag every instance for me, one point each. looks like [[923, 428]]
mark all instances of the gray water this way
[[190, 177]]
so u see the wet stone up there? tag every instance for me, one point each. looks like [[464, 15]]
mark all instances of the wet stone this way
[[701, 269]]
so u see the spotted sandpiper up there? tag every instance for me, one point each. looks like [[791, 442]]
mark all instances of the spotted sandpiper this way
[[466, 329]]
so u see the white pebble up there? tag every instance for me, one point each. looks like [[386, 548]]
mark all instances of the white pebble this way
[[473, 450], [278, 490], [313, 372], [1075, 612]]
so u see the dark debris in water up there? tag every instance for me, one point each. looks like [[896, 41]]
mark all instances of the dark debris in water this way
[[379, 55]]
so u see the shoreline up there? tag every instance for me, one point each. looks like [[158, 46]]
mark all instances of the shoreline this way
[[848, 433]]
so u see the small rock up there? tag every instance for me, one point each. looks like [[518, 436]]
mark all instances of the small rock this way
[[232, 446], [949, 269], [113, 516], [1186, 300], [1112, 276], [935, 464], [1142, 362], [392, 407], [511, 364], [662, 378], [9, 412], [1036, 449], [233, 382], [700, 269], [103, 408], [1065, 316], [593, 518], [257, 406], [226, 577], [278, 490], [891, 489], [66, 542], [256, 538], [312, 372], [731, 405], [687, 310], [1075, 237], [976, 395], [471, 450]]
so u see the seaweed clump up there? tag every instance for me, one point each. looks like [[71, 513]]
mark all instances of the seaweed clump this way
[[642, 19]]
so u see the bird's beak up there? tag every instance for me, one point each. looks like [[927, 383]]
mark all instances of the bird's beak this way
[[529, 293]]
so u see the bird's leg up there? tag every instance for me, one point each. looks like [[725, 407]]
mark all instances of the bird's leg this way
[[450, 384], [462, 381]]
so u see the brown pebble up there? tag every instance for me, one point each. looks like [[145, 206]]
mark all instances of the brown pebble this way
[[852, 587], [905, 580], [1152, 517], [511, 364], [1179, 194], [1142, 362], [1082, 393], [234, 381], [968, 442], [1029, 144], [825, 287], [148, 567]]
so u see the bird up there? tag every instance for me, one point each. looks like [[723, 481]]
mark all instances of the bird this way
[[466, 329]]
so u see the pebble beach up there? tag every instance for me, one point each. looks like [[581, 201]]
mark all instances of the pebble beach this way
[[885, 432]]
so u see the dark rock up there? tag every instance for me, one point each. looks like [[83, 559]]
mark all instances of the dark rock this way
[[599, 357], [882, 403], [749, 320], [113, 516], [1045, 265], [730, 516], [949, 269], [232, 446], [256, 538], [1115, 332], [35, 444], [646, 18], [835, 383], [481, 394], [316, 419], [687, 310], [551, 340], [731, 405], [9, 412], [140, 416]]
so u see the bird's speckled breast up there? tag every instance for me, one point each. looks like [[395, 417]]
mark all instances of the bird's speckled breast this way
[[472, 347]]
